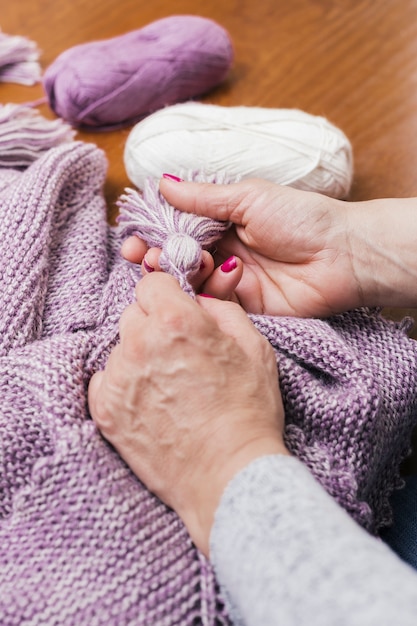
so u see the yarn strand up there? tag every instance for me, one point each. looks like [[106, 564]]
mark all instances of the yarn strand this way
[[19, 60], [25, 134]]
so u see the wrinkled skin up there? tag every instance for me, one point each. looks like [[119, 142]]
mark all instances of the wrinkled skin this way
[[188, 398]]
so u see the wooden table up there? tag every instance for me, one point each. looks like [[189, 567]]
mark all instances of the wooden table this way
[[352, 61]]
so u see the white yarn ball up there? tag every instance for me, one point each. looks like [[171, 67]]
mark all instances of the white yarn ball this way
[[286, 146]]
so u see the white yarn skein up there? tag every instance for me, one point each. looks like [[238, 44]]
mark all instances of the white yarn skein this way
[[286, 146]]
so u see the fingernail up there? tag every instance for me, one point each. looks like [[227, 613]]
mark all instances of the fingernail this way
[[148, 267], [229, 265], [202, 266], [172, 177], [205, 295]]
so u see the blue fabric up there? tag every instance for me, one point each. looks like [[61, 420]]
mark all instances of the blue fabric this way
[[402, 535]]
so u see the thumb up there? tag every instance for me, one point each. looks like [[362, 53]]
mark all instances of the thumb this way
[[233, 321], [94, 396], [227, 203]]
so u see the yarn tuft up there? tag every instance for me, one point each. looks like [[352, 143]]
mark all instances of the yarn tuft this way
[[181, 236], [19, 60], [25, 134], [285, 146], [170, 60]]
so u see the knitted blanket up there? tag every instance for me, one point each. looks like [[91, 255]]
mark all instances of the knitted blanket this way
[[81, 540]]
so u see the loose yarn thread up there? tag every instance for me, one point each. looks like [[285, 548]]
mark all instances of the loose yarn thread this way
[[170, 60], [181, 236], [19, 60], [25, 134], [285, 146]]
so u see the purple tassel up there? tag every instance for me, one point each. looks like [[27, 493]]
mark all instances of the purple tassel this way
[[25, 134], [19, 60], [182, 236]]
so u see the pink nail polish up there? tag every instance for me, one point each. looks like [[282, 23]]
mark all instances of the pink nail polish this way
[[172, 177], [205, 295], [148, 267], [229, 265]]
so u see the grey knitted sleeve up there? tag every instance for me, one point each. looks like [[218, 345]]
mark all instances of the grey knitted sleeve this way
[[286, 554]]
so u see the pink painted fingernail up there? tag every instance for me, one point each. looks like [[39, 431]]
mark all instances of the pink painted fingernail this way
[[229, 265], [148, 267], [205, 295], [172, 177]]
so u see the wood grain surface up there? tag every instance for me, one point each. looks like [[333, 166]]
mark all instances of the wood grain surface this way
[[352, 61]]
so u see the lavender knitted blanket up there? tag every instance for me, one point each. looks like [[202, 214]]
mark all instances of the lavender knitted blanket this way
[[81, 540]]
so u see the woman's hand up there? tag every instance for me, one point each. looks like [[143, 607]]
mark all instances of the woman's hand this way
[[301, 253], [188, 398], [294, 245], [289, 249]]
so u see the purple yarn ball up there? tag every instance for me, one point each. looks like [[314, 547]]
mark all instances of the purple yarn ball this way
[[117, 81]]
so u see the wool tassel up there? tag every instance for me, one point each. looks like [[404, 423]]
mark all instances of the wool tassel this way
[[19, 60], [181, 236], [25, 134]]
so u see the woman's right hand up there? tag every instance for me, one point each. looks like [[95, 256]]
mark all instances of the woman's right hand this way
[[293, 245], [301, 253]]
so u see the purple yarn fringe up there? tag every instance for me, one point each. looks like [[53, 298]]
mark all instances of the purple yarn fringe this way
[[25, 134], [19, 60]]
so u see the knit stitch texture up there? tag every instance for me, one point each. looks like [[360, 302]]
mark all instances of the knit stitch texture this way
[[82, 541]]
